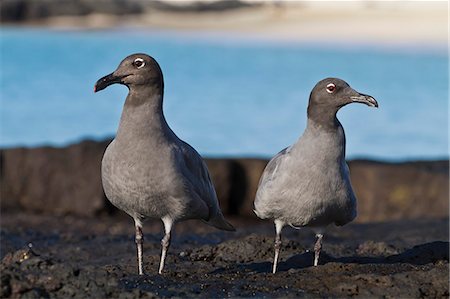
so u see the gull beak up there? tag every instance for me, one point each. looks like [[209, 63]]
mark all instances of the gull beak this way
[[365, 99], [106, 81]]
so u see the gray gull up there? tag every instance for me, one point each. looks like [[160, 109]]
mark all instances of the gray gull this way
[[147, 171], [308, 184]]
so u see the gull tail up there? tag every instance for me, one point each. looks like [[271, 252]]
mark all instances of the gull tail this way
[[218, 221]]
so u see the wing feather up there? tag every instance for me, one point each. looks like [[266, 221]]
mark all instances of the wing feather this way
[[272, 167], [197, 176]]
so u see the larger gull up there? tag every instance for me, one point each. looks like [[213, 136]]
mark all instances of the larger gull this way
[[147, 171]]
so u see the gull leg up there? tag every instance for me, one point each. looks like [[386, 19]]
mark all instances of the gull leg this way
[[278, 227], [317, 248], [165, 242], [139, 242]]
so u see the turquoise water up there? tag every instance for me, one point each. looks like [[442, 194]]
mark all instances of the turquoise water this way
[[224, 96]]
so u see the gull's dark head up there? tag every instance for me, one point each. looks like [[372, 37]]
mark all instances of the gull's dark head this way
[[134, 71], [334, 93]]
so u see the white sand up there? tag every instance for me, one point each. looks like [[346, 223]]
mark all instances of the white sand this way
[[362, 22]]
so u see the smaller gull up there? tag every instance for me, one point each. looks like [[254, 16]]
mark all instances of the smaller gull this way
[[147, 171], [308, 183]]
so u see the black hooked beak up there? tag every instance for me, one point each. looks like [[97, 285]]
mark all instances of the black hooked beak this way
[[365, 99], [106, 81]]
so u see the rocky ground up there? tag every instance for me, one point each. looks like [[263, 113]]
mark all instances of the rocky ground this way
[[94, 257], [60, 238]]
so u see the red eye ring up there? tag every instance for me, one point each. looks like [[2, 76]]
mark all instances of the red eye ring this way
[[331, 88]]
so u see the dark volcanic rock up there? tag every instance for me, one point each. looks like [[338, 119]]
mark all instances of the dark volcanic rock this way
[[236, 181], [68, 180], [400, 190], [88, 260], [55, 180], [213, 6], [26, 10]]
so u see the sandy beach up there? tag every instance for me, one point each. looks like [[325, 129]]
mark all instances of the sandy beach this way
[[395, 23]]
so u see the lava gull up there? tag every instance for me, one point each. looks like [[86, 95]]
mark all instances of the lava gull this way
[[147, 171], [308, 183]]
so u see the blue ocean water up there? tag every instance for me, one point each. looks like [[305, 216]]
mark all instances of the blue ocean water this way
[[226, 97]]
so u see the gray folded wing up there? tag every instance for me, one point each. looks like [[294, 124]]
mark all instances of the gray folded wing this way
[[271, 168], [263, 207], [197, 179]]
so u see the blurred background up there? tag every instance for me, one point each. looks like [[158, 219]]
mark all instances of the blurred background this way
[[238, 75], [237, 80]]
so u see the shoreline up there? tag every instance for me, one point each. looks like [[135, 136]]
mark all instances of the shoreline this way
[[218, 156], [242, 39], [381, 24]]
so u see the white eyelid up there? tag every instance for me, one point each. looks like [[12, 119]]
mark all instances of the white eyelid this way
[[330, 85], [140, 60]]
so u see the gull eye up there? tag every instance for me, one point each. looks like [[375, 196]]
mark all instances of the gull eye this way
[[331, 88], [139, 63]]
